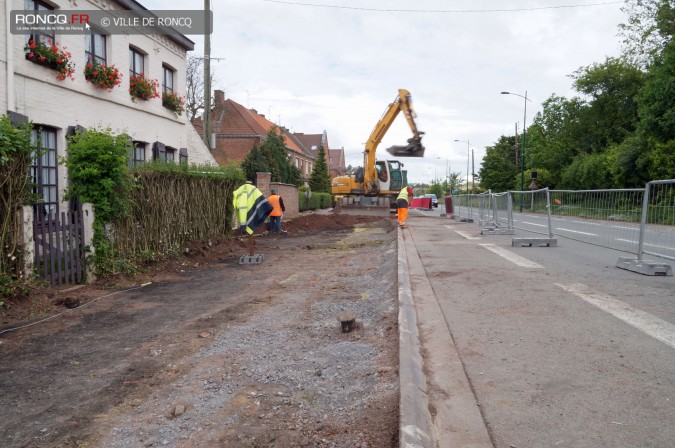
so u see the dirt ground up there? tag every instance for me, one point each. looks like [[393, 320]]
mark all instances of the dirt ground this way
[[200, 351]]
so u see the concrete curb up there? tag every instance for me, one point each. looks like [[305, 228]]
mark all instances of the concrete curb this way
[[415, 420]]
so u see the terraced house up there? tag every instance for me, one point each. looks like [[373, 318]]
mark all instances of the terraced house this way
[[129, 83]]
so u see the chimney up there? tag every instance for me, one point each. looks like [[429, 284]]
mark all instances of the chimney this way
[[219, 97]]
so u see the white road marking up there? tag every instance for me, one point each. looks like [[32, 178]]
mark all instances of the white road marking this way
[[513, 258], [464, 234], [646, 244], [534, 224], [576, 231], [651, 325]]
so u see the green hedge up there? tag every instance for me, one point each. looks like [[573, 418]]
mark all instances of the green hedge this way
[[317, 201]]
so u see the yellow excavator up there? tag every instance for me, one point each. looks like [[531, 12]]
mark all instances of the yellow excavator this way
[[382, 178]]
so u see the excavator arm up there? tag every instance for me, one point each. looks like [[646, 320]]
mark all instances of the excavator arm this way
[[414, 148]]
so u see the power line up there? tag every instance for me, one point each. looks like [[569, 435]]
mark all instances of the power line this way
[[443, 11]]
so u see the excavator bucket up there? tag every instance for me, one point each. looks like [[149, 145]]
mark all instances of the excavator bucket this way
[[414, 148]]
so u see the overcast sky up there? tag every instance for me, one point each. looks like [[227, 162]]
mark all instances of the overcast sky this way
[[336, 67]]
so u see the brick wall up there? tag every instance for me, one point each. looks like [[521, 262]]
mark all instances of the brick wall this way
[[288, 192]]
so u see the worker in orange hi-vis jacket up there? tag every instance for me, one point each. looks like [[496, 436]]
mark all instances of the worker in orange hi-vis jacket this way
[[402, 203], [278, 210]]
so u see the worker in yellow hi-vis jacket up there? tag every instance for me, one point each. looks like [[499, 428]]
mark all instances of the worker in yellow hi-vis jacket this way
[[252, 207], [402, 203]]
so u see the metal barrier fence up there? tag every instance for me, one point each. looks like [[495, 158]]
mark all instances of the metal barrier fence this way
[[657, 223], [464, 206], [639, 221], [607, 218], [538, 204]]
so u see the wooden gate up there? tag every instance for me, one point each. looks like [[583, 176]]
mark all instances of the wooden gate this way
[[59, 252]]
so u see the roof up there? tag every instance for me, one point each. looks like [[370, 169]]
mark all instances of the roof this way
[[310, 141], [336, 158], [232, 119], [177, 37]]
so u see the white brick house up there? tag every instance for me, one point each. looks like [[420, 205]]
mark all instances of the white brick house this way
[[30, 90]]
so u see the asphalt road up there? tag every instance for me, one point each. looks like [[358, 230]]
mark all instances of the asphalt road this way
[[560, 347]]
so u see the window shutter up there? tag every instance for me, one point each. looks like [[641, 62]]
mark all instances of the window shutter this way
[[158, 151], [17, 119], [72, 130], [183, 156], [130, 151]]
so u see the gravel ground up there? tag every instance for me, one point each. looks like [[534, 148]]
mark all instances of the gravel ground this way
[[228, 356]]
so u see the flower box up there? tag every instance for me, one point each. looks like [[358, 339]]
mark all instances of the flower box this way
[[143, 88], [49, 55], [102, 76], [174, 102]]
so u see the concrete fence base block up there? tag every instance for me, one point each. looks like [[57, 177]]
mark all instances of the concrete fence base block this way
[[644, 267], [466, 220], [251, 259], [530, 242], [496, 231]]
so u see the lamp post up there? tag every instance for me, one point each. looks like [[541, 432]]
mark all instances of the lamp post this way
[[522, 152], [447, 173], [468, 159]]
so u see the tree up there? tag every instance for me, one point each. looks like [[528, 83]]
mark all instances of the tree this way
[[455, 180], [657, 116], [271, 156], [319, 180], [651, 24], [588, 172], [611, 113], [194, 86], [556, 136], [498, 166]]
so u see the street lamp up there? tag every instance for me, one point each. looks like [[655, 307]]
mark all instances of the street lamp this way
[[447, 173], [522, 153], [468, 159]]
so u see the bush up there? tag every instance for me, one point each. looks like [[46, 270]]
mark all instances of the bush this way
[[317, 201], [15, 191]]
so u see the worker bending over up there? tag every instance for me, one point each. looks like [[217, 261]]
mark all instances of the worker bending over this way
[[402, 203]]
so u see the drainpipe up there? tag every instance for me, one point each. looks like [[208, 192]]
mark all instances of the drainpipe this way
[[9, 41]]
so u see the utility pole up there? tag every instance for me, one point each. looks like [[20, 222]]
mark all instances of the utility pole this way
[[207, 76], [473, 175], [517, 158]]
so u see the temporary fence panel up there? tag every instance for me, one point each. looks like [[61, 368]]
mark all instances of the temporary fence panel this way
[[657, 230], [464, 206], [536, 217], [502, 205], [607, 218]]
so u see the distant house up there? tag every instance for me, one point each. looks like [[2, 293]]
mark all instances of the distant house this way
[[32, 90], [335, 158], [237, 129]]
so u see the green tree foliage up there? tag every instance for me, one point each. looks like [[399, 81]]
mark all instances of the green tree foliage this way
[[611, 114], [657, 99], [438, 188], [544, 179], [15, 190], [319, 180], [651, 23], [272, 157], [588, 172], [555, 136], [97, 166], [499, 165]]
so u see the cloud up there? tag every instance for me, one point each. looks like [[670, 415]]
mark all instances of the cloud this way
[[313, 69]]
